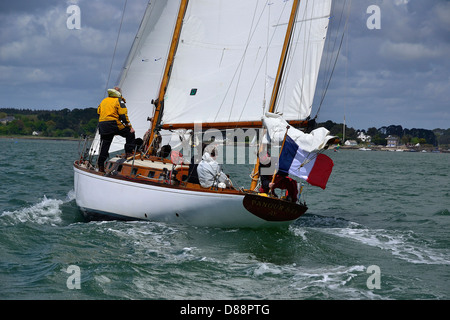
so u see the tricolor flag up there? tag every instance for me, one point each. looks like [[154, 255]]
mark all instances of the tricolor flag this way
[[310, 166]]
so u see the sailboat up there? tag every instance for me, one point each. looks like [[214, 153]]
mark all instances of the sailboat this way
[[208, 66]]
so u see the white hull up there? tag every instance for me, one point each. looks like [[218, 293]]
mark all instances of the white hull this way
[[101, 195]]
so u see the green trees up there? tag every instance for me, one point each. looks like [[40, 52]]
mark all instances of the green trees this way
[[378, 136], [61, 123], [443, 137]]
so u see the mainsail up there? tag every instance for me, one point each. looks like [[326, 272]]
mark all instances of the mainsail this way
[[227, 60], [225, 63]]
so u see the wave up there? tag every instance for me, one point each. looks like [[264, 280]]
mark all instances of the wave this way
[[402, 244], [444, 212], [405, 245], [46, 212]]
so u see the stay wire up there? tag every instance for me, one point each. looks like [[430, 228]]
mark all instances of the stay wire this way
[[331, 45], [115, 47], [97, 134], [335, 62]]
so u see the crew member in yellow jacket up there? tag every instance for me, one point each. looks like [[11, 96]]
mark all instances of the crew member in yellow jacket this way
[[113, 120]]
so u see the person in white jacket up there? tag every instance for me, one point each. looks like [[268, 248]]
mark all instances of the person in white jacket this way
[[210, 173]]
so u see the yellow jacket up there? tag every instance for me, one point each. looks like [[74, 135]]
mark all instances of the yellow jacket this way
[[114, 109]]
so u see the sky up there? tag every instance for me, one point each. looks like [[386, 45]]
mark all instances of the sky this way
[[393, 67]]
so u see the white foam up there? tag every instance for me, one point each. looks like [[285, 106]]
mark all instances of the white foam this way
[[48, 211], [323, 281], [400, 243], [102, 279], [332, 276], [70, 196], [299, 232], [265, 268]]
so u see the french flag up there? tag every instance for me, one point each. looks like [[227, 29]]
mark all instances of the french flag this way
[[310, 166]]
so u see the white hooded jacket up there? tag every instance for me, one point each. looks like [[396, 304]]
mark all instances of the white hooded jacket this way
[[210, 173]]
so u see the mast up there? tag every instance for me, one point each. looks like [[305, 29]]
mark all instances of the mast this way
[[284, 55], [159, 103], [276, 87]]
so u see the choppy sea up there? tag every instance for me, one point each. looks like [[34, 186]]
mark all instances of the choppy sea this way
[[380, 231]]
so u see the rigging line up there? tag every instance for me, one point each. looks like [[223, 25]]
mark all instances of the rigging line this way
[[331, 45], [265, 58], [328, 44], [335, 62], [292, 52], [333, 48], [97, 135], [305, 60], [137, 40], [267, 63], [240, 62], [115, 47], [242, 65], [308, 55], [284, 54]]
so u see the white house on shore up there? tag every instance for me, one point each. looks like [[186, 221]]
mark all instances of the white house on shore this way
[[363, 137], [392, 141]]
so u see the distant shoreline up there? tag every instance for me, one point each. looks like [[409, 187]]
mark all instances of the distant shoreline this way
[[41, 138], [356, 147], [398, 148]]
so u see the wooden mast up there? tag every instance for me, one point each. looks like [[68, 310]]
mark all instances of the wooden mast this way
[[159, 103], [276, 87]]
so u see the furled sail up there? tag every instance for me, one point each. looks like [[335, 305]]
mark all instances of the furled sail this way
[[228, 55], [276, 126]]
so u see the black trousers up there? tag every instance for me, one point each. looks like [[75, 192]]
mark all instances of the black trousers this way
[[106, 140]]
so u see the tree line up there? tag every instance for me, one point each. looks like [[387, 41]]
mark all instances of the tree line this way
[[436, 137], [61, 123]]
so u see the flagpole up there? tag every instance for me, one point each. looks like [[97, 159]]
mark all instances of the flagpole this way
[[281, 150]]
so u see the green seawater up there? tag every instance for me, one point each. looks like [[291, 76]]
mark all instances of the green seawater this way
[[390, 210]]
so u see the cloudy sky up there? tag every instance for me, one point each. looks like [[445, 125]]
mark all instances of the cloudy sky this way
[[397, 74]]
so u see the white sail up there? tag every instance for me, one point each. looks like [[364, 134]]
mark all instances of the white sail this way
[[228, 56], [305, 57], [140, 79]]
